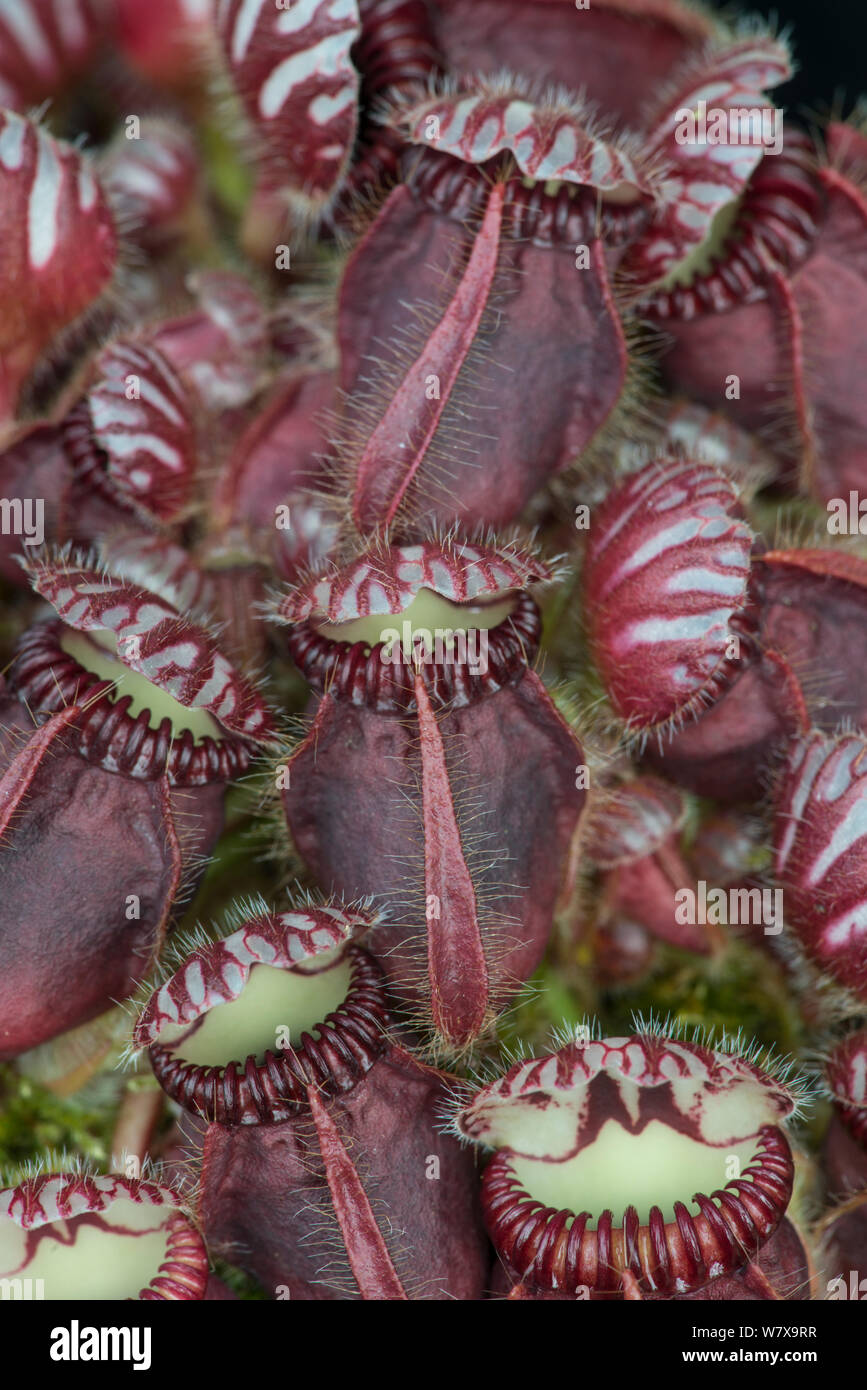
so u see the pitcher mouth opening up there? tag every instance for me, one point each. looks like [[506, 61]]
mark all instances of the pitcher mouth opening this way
[[774, 225], [127, 724], [664, 1246], [101, 1238], [548, 212], [251, 1060], [645, 1162], [461, 651]]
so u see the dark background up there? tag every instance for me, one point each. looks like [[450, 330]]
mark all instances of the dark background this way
[[829, 38]]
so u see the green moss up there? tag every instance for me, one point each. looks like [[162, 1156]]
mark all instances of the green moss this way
[[240, 1283], [229, 174], [742, 989], [34, 1120]]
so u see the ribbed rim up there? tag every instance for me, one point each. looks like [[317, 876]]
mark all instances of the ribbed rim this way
[[396, 46], [45, 1199], [88, 460], [350, 1040], [572, 216], [776, 227], [183, 1274], [554, 1251], [355, 671], [48, 679]]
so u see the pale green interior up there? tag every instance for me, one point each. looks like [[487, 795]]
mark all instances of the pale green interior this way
[[657, 1167], [274, 1008], [96, 652], [429, 611], [701, 258], [100, 1263]]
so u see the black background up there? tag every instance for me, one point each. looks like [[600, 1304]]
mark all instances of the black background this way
[[829, 40]]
